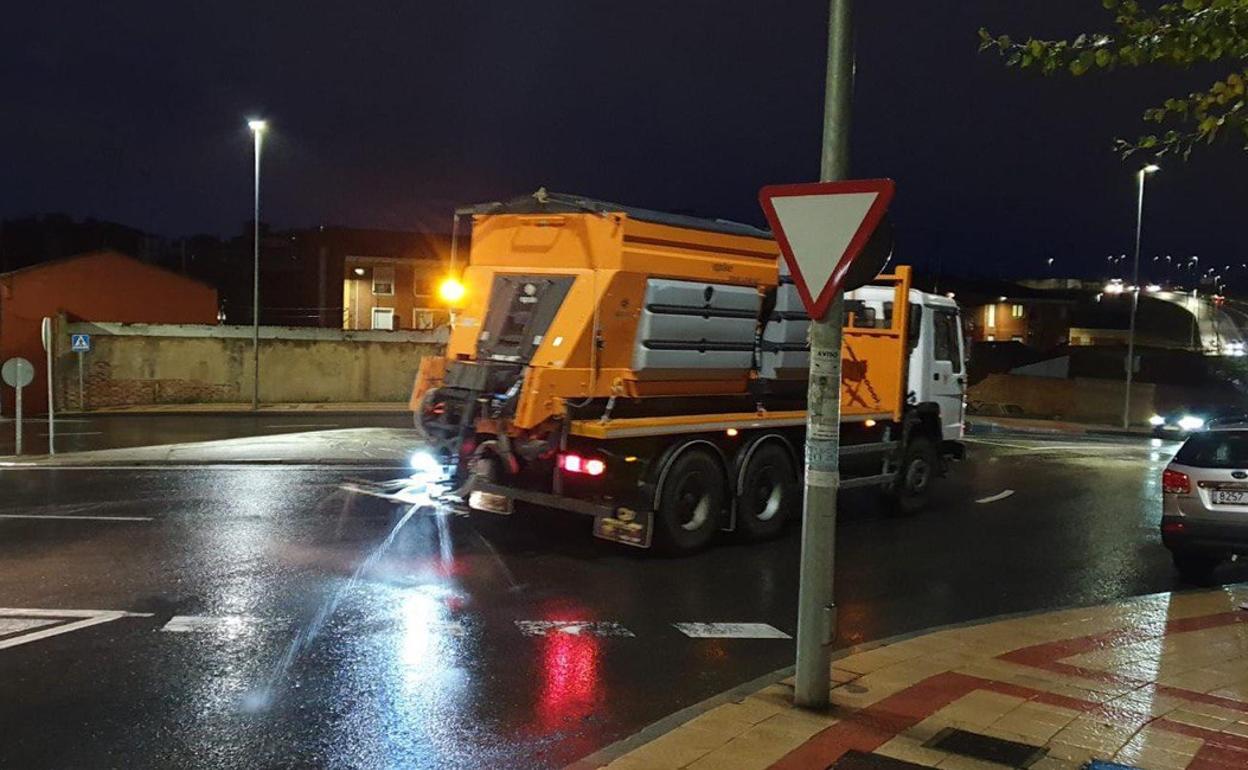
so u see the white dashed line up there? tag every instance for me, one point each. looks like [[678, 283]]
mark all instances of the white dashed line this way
[[572, 628], [730, 631], [215, 624], [996, 497]]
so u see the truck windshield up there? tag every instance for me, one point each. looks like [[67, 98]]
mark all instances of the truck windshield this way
[[1216, 449]]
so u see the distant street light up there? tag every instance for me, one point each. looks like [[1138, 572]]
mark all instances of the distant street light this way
[[258, 127], [1140, 176]]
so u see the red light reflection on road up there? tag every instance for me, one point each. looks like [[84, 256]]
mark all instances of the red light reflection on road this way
[[571, 687]]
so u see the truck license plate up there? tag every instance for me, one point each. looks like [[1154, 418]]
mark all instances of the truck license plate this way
[[489, 502], [626, 526], [1229, 497]]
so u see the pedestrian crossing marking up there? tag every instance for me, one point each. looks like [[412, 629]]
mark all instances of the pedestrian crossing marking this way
[[730, 631], [573, 628]]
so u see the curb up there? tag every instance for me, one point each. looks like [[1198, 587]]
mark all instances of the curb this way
[[6, 463]]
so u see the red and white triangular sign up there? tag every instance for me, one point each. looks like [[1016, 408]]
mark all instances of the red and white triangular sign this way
[[821, 228]]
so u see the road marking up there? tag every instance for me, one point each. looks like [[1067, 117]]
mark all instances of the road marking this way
[[572, 628], [72, 518], [730, 631], [14, 625], [996, 497], [44, 623], [217, 624]]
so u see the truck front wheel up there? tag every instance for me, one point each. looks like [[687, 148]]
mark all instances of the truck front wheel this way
[[920, 465], [691, 502]]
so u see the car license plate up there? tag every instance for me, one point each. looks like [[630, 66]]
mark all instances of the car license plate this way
[[1229, 497]]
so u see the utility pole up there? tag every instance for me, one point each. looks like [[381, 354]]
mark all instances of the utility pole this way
[[816, 613]]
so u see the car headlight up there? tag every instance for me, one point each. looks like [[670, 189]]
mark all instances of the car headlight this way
[[1191, 422], [1156, 421]]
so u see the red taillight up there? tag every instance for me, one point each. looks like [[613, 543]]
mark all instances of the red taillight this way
[[576, 464], [1175, 483]]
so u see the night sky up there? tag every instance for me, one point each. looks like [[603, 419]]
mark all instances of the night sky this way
[[388, 113]]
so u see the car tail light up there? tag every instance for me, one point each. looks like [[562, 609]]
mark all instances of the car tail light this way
[[1175, 483], [573, 463]]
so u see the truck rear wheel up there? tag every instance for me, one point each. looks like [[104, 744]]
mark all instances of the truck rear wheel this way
[[768, 495], [920, 465], [691, 502]]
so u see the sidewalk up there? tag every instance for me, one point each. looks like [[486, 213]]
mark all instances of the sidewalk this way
[[1156, 682], [351, 446], [362, 407], [978, 424]]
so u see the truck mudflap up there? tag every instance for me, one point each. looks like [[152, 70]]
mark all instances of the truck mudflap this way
[[617, 524]]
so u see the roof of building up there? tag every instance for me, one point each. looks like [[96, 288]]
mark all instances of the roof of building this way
[[100, 253], [542, 202]]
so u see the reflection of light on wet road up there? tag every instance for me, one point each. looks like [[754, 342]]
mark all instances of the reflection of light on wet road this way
[[570, 687]]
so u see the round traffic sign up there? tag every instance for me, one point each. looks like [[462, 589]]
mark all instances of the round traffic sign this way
[[17, 372]]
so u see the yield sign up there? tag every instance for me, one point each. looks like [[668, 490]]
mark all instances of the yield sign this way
[[822, 227]]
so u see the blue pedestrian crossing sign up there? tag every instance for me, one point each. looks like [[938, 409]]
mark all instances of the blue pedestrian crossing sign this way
[[80, 343]]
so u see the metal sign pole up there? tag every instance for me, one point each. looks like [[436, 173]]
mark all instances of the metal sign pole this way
[[47, 346], [816, 613], [82, 396], [17, 438]]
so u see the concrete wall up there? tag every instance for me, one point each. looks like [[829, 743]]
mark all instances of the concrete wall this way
[[141, 364], [1079, 399]]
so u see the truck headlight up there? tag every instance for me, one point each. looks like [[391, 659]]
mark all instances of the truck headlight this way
[[1191, 422], [451, 291]]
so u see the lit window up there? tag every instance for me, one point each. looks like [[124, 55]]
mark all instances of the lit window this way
[[383, 318], [1016, 311], [383, 281], [990, 316]]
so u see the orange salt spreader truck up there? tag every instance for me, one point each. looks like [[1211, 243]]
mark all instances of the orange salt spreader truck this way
[[649, 370]]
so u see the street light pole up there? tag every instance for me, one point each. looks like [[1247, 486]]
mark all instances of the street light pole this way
[[258, 128], [1141, 175], [816, 607]]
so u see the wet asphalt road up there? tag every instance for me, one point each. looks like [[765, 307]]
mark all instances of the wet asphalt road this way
[[83, 432], [307, 640]]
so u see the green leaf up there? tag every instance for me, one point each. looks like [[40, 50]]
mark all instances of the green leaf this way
[[1103, 57]]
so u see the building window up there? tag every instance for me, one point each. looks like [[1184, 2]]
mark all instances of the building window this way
[[1016, 311], [991, 338], [1016, 338], [990, 316], [383, 281], [383, 318]]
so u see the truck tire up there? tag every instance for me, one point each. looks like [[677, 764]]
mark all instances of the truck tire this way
[[768, 495], [1196, 568], [691, 502], [916, 474]]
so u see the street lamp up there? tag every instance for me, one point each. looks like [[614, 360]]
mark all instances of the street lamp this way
[[258, 127], [1140, 176]]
